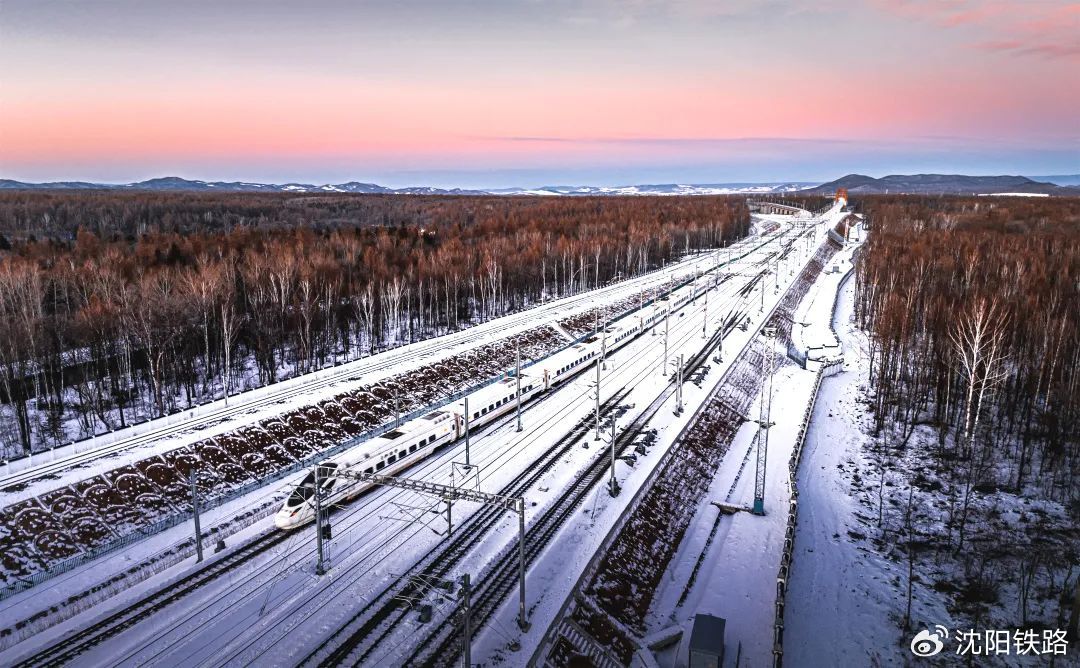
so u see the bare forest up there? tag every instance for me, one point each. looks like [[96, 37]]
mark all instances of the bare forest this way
[[120, 307], [973, 310]]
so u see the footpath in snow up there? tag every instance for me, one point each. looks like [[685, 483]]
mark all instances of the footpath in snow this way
[[845, 602]]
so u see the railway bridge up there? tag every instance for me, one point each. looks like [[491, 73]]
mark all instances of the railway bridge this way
[[761, 206]]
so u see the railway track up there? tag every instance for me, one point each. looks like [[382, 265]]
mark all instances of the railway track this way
[[382, 614], [442, 646], [366, 615], [72, 646]]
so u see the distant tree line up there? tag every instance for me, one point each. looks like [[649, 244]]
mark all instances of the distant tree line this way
[[117, 307]]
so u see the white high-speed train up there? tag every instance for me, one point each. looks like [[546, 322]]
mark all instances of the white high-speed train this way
[[412, 441]]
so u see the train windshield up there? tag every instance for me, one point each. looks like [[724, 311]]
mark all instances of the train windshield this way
[[303, 491]]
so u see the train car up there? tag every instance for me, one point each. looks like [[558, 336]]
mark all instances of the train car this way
[[412, 441], [386, 454], [564, 364], [488, 403], [401, 448]]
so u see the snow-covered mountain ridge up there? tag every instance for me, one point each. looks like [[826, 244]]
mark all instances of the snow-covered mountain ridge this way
[[174, 183]]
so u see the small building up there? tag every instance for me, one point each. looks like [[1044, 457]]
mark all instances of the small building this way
[[707, 642]]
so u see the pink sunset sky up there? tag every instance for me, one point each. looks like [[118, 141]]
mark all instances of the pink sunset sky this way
[[525, 92]]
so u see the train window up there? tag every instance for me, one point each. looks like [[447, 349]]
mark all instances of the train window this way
[[476, 414], [391, 459], [369, 470], [379, 466]]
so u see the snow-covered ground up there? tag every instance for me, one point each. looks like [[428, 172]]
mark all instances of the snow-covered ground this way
[[844, 602], [369, 546], [848, 590], [736, 579]]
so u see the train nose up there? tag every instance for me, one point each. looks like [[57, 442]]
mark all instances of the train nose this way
[[284, 519]]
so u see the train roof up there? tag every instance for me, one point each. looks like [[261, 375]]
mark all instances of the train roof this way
[[497, 389], [400, 430]]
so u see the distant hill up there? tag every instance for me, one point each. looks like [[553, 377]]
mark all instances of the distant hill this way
[[855, 184], [175, 183], [941, 184], [1059, 179]]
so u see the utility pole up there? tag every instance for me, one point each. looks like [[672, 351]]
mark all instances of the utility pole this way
[[603, 349], [467, 462], [320, 567], [522, 623], [763, 421], [597, 437], [466, 623], [720, 345], [613, 487], [678, 384], [705, 318], [517, 377], [195, 512]]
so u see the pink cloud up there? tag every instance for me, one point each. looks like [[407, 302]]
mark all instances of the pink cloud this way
[[1048, 29]]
